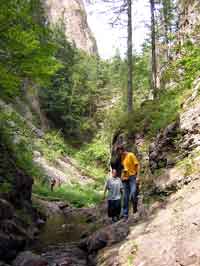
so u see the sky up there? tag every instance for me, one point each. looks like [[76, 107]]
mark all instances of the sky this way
[[110, 39]]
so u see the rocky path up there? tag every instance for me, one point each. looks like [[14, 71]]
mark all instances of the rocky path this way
[[169, 235]]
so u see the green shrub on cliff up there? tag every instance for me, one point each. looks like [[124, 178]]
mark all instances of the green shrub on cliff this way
[[18, 139]]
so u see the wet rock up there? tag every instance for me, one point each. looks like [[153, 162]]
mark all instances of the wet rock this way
[[3, 264], [40, 222], [63, 205], [105, 237], [27, 258], [69, 255], [6, 210], [10, 245]]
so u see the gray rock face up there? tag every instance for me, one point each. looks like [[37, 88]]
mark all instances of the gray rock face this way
[[175, 151], [190, 126], [74, 17], [189, 20], [159, 149]]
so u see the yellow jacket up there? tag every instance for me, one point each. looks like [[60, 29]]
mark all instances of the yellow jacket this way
[[130, 164]]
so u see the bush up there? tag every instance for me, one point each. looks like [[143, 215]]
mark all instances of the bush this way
[[18, 140]]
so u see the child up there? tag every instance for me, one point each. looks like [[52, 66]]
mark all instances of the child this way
[[115, 188]]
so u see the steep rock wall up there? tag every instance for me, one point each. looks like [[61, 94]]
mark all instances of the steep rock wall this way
[[73, 14], [189, 20]]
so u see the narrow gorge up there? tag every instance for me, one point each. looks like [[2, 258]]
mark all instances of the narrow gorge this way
[[62, 115]]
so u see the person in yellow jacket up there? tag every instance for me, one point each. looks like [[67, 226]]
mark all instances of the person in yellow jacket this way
[[130, 177]]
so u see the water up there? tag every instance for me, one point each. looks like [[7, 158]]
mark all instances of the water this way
[[61, 229]]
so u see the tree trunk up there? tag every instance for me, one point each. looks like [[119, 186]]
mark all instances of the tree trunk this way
[[153, 45], [129, 60], [167, 14]]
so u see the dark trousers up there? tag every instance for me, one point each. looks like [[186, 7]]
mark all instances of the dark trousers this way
[[130, 190], [114, 208]]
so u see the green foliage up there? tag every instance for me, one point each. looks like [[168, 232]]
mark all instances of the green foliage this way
[[5, 187], [91, 157], [141, 75], [95, 151], [94, 159], [152, 115], [70, 101], [27, 52], [117, 70], [53, 146], [155, 115], [18, 139], [77, 195], [185, 69], [189, 62]]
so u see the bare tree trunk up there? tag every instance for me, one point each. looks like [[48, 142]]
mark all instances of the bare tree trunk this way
[[167, 27], [129, 60], [166, 38], [153, 44]]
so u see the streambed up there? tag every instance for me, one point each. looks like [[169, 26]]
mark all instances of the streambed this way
[[60, 236]]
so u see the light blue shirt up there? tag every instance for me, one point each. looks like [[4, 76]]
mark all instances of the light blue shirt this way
[[114, 187]]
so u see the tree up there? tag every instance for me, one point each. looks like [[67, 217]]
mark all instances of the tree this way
[[130, 59], [27, 52], [119, 8], [168, 16], [153, 51]]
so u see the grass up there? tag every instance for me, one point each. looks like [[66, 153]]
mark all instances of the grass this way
[[52, 146], [77, 195], [5, 187], [91, 158]]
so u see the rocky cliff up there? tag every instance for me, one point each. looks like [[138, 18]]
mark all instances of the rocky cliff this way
[[189, 20], [73, 15]]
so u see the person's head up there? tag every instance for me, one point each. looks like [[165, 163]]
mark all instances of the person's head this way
[[114, 172], [121, 149]]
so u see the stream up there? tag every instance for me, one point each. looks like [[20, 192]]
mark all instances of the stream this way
[[59, 238]]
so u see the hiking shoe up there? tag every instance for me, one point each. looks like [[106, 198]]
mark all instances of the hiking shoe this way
[[114, 219], [125, 218]]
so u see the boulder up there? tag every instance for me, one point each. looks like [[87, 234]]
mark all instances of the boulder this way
[[6, 210], [27, 258], [10, 245], [105, 237], [3, 264], [66, 255]]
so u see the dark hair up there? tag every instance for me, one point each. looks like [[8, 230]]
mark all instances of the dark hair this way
[[120, 148]]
